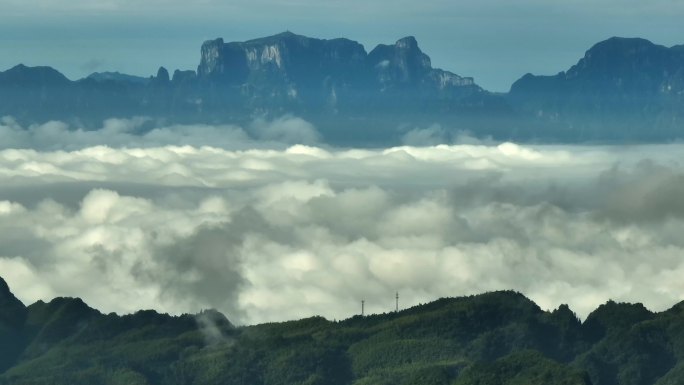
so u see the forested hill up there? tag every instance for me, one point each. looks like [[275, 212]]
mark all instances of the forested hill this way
[[489, 339]]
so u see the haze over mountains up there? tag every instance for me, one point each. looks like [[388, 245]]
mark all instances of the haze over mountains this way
[[622, 90]]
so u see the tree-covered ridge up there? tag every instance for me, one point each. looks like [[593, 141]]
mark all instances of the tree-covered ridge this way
[[492, 338]]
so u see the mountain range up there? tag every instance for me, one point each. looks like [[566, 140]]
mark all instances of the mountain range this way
[[496, 338], [623, 89]]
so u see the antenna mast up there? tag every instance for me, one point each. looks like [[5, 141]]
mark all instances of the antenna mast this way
[[363, 303], [397, 303]]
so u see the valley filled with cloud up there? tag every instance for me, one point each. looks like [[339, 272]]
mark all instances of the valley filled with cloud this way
[[265, 223]]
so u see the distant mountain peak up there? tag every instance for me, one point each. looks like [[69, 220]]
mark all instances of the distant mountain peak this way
[[116, 76], [301, 70], [400, 64], [407, 42], [623, 47], [22, 74], [289, 34], [616, 78], [624, 41]]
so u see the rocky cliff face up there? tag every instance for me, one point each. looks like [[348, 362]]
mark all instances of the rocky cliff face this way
[[625, 77], [291, 58], [400, 64], [617, 66], [630, 65], [284, 70], [405, 65], [327, 81], [621, 89], [307, 70]]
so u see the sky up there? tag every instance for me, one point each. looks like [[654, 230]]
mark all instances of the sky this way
[[494, 41], [265, 223]]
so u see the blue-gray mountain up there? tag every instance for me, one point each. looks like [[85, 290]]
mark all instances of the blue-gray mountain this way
[[631, 86], [623, 89], [300, 72]]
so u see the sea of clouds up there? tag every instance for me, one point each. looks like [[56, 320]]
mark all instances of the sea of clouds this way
[[248, 222]]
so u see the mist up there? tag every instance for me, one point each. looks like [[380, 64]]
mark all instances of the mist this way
[[244, 220]]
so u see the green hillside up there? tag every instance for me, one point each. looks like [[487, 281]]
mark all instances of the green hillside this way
[[495, 338]]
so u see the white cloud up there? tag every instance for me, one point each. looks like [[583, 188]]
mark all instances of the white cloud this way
[[286, 129], [269, 232], [127, 133], [430, 136]]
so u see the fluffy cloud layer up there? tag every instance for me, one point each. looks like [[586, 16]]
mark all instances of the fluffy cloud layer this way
[[272, 232]]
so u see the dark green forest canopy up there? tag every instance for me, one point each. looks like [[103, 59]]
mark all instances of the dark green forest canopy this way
[[493, 338]]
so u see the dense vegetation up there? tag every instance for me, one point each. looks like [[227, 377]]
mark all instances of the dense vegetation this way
[[489, 339]]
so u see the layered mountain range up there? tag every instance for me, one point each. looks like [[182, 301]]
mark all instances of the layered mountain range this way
[[623, 89], [497, 338], [632, 86], [289, 70]]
